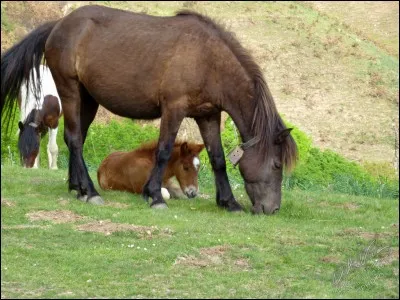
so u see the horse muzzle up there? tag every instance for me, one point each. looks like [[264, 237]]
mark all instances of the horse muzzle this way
[[191, 191]]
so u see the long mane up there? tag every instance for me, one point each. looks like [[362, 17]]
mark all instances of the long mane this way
[[266, 121]]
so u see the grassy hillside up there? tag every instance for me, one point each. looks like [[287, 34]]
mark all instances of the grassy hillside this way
[[319, 245], [332, 67]]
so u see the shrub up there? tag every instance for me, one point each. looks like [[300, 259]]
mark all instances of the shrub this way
[[315, 170]]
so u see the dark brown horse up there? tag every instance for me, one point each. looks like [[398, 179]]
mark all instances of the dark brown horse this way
[[146, 67], [129, 171]]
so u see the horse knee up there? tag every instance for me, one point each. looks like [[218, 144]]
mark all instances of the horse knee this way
[[53, 149], [72, 140], [218, 163], [163, 156]]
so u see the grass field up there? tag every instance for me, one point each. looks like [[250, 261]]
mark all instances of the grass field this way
[[319, 245]]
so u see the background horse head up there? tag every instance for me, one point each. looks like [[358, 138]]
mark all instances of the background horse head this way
[[38, 117], [181, 66], [129, 171]]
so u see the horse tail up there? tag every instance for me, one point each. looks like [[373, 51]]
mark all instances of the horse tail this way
[[18, 64]]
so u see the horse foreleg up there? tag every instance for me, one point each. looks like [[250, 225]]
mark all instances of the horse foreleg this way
[[210, 132], [52, 148], [36, 164], [170, 122]]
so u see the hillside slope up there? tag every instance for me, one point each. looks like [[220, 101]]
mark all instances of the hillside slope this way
[[332, 67]]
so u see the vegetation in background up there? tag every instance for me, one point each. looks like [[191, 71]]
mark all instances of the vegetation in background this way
[[316, 169]]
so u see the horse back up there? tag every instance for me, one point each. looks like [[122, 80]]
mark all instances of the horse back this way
[[133, 64]]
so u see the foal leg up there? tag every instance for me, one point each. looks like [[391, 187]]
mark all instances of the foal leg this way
[[170, 122], [52, 148], [174, 189], [210, 132]]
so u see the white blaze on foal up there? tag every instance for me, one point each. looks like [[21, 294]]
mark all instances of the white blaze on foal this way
[[191, 189], [196, 163]]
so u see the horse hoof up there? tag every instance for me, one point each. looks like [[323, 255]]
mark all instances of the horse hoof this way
[[96, 200], [159, 206], [82, 198]]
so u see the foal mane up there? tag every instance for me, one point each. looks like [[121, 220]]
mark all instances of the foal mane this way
[[150, 147], [266, 121]]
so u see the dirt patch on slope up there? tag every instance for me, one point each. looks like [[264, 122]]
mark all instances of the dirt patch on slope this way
[[55, 216], [389, 256], [213, 256], [364, 234], [117, 204], [5, 202], [346, 205], [107, 227]]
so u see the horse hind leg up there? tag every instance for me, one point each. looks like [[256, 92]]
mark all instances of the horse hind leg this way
[[88, 112], [70, 93], [52, 148]]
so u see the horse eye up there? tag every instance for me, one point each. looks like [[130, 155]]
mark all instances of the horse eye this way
[[186, 168], [277, 165]]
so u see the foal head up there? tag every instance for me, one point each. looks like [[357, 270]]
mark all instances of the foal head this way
[[29, 140], [186, 168]]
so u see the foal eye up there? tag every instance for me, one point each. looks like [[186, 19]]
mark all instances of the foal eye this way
[[277, 165]]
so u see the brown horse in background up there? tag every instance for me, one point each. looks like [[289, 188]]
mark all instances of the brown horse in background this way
[[129, 171], [145, 67]]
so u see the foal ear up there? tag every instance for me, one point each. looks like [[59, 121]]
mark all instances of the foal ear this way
[[21, 126], [198, 148], [185, 149], [280, 138]]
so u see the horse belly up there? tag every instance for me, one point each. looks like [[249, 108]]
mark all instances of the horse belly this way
[[132, 108]]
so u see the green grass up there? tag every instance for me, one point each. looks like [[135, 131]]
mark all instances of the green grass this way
[[295, 253]]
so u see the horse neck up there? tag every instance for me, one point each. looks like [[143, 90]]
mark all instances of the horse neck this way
[[241, 109]]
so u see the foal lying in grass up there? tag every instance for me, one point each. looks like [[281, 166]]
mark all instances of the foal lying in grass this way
[[129, 171]]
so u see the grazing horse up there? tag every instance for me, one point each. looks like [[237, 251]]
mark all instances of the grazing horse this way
[[145, 67], [129, 171], [37, 118]]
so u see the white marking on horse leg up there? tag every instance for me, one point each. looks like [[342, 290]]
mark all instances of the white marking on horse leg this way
[[196, 163], [36, 164], [52, 148], [165, 194]]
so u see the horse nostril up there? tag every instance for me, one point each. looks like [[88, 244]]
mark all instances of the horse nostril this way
[[275, 210]]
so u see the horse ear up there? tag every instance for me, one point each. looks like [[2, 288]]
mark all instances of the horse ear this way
[[184, 149], [21, 126], [198, 148], [282, 135]]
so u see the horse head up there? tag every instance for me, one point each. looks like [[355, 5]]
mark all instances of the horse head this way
[[28, 143], [187, 168], [263, 175]]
